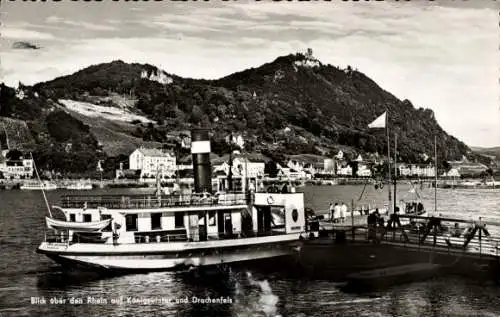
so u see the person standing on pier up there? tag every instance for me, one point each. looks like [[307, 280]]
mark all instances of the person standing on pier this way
[[372, 223], [332, 211], [336, 212], [343, 212]]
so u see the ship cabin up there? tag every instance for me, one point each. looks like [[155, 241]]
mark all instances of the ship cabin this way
[[181, 218]]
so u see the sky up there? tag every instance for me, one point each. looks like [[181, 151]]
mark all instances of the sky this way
[[441, 55]]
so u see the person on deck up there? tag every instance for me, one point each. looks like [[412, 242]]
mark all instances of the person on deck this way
[[284, 189], [251, 187], [332, 211], [176, 189]]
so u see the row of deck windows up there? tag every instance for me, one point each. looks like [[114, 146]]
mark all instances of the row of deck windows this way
[[86, 217], [131, 220]]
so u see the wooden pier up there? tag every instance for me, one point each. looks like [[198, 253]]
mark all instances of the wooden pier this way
[[462, 246]]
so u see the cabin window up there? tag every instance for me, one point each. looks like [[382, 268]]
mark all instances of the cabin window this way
[[131, 222], [211, 218], [72, 217], [108, 227], [87, 218], [156, 221], [179, 219]]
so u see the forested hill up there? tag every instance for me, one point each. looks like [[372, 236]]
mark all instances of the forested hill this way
[[292, 105]]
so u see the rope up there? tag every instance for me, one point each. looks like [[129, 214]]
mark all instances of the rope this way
[[416, 192], [41, 184], [363, 191]]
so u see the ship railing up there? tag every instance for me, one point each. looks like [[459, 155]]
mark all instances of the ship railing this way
[[196, 237], [152, 201], [52, 237]]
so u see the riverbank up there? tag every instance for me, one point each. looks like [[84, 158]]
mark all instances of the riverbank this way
[[64, 183], [8, 184]]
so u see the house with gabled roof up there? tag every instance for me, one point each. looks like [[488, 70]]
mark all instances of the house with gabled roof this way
[[152, 161]]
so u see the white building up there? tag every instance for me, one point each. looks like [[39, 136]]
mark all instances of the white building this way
[[242, 167], [153, 161], [364, 171], [416, 170], [329, 166], [22, 168], [313, 166], [251, 170], [452, 173], [344, 171], [184, 166], [295, 165], [236, 139], [422, 171], [404, 170], [290, 173]]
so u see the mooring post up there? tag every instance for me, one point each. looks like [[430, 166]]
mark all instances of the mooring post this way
[[480, 235], [352, 218], [418, 236], [435, 234]]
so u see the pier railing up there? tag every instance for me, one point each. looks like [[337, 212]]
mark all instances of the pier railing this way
[[152, 201], [440, 234]]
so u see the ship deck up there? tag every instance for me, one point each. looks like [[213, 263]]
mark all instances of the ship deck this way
[[152, 201]]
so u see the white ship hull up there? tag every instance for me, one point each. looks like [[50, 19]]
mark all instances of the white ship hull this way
[[168, 256], [79, 187], [46, 186]]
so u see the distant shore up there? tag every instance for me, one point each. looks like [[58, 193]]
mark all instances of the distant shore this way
[[6, 184]]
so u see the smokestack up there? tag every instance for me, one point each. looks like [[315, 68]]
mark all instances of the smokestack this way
[[200, 150]]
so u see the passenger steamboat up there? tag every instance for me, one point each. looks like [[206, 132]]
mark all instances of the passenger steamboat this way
[[175, 231], [80, 185], [46, 185]]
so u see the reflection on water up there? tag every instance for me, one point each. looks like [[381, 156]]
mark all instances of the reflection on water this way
[[247, 291]]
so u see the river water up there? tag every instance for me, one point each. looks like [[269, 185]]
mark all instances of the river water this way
[[27, 277]]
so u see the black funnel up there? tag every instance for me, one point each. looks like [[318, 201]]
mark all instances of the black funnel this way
[[200, 150]]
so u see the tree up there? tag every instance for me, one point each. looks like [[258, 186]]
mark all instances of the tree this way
[[446, 166], [196, 114], [271, 169], [354, 167], [14, 155], [489, 171]]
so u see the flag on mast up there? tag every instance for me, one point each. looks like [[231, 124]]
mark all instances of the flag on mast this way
[[379, 122], [99, 166]]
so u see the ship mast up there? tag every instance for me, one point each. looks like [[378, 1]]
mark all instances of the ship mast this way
[[395, 169], [435, 175], [388, 159]]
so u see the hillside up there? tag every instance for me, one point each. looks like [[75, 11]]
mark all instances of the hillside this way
[[492, 153], [292, 105], [15, 134]]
